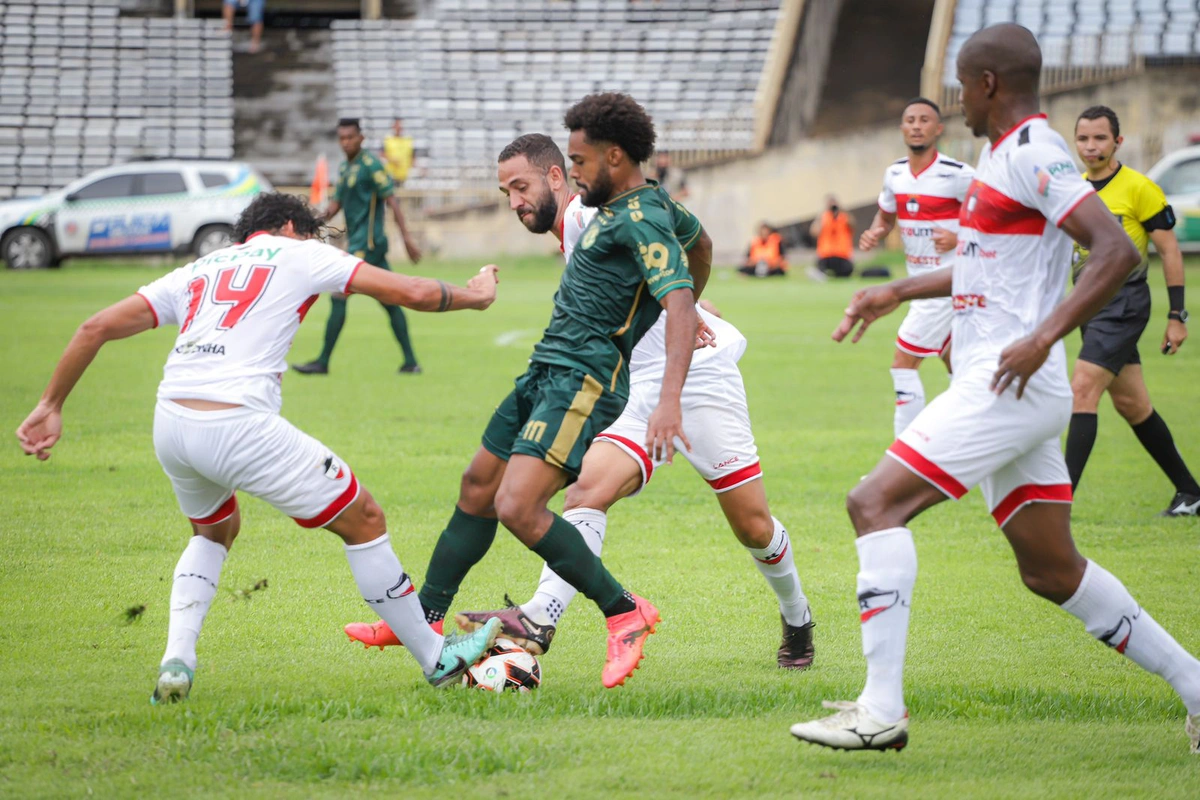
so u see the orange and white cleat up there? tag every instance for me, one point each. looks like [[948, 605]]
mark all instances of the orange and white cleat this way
[[380, 634], [627, 634]]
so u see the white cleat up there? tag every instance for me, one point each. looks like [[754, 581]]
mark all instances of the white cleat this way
[[853, 728], [1192, 726]]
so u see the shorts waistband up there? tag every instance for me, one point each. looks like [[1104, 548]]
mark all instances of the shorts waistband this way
[[176, 410]]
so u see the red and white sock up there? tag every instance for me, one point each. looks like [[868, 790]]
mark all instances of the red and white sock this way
[[910, 398], [389, 591], [1111, 614], [887, 571], [192, 592], [777, 565], [553, 594]]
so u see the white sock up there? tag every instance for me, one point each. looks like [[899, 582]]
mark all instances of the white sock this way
[[887, 571], [553, 594], [192, 592], [776, 564], [390, 592], [1111, 614], [910, 397]]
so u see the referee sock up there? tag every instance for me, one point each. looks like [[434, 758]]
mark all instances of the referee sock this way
[[553, 594], [1111, 614], [333, 328], [1156, 437], [466, 540], [565, 551], [910, 397], [1081, 436]]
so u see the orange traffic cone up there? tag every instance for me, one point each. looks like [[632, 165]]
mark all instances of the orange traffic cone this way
[[320, 183]]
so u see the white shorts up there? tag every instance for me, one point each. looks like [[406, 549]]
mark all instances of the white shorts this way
[[210, 454], [925, 330], [968, 436], [715, 420]]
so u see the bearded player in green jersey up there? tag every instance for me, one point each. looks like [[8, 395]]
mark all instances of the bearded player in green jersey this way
[[363, 189], [627, 267]]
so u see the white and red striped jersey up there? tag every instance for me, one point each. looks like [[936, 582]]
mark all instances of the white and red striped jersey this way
[[648, 361], [238, 310], [1013, 258], [922, 202]]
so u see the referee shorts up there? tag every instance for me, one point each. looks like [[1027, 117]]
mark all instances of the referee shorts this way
[[1110, 338]]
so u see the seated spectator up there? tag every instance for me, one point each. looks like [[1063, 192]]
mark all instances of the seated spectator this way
[[834, 232], [254, 15], [764, 257]]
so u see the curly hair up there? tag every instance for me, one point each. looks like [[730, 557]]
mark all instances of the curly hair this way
[[538, 148], [270, 211], [615, 118]]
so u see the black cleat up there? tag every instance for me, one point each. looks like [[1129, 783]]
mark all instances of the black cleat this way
[[796, 651], [312, 368], [1183, 505], [410, 369]]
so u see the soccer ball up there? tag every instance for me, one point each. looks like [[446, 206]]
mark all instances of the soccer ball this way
[[504, 666]]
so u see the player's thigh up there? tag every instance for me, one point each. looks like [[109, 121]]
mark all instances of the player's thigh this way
[[1049, 563], [362, 521], [1129, 394], [716, 419], [610, 472], [1036, 476], [529, 483], [204, 500], [625, 437], [925, 330]]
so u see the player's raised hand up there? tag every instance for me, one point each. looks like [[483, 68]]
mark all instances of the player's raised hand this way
[[40, 430], [1018, 362], [666, 423], [871, 238], [1174, 337], [944, 241], [486, 282], [705, 336], [866, 306]]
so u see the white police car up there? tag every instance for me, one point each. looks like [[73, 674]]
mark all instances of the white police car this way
[[153, 206], [1178, 174]]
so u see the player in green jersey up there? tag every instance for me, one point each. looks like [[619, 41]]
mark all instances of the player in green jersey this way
[[627, 267], [363, 188]]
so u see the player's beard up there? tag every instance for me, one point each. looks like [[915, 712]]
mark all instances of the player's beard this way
[[917, 149], [600, 190], [544, 213]]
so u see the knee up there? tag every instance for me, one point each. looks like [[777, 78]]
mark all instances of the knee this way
[[753, 527], [514, 513], [867, 510], [374, 523], [1087, 394], [585, 493], [477, 493], [1135, 410], [1056, 584]]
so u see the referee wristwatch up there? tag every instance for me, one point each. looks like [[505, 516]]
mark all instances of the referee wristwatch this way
[[1181, 315]]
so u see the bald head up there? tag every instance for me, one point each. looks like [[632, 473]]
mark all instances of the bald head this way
[[1008, 51]]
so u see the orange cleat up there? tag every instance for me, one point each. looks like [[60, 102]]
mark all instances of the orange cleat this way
[[627, 634], [380, 634]]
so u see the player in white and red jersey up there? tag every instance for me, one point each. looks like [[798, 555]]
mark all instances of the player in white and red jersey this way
[[999, 423], [922, 193], [617, 465], [217, 428]]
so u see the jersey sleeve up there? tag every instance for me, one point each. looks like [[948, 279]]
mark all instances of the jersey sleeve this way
[[575, 221], [166, 296], [649, 232], [1045, 178], [380, 179], [687, 226], [1152, 208], [330, 269], [887, 198]]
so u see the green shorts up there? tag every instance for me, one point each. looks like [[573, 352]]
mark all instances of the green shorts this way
[[376, 257], [553, 414]]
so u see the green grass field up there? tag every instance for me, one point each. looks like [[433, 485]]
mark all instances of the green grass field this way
[[1009, 696]]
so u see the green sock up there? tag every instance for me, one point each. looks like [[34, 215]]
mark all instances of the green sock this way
[[464, 542], [400, 330], [333, 328], [568, 554]]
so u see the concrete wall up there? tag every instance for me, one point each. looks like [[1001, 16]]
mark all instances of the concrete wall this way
[[1159, 111]]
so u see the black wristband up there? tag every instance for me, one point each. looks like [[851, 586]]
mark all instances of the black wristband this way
[[1175, 296]]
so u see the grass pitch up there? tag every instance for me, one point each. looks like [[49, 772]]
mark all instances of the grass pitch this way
[[1009, 696]]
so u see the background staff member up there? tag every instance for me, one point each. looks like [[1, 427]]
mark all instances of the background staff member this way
[[1109, 359]]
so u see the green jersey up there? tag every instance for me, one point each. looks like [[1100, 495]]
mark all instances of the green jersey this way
[[628, 258], [363, 188]]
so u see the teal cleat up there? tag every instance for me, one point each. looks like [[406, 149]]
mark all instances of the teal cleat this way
[[461, 651], [174, 683]]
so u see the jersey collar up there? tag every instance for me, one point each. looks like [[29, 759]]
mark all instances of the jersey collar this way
[[257, 233], [1008, 133], [628, 192], [936, 156], [1098, 185]]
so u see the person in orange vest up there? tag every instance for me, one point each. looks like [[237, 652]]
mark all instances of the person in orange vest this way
[[834, 232], [764, 257]]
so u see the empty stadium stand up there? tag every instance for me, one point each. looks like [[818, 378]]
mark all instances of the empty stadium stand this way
[[82, 87], [471, 75]]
